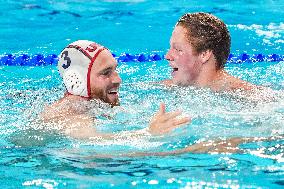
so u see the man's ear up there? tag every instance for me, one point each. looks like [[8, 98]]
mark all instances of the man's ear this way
[[205, 56]]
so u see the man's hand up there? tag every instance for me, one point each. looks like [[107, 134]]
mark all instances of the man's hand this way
[[164, 122]]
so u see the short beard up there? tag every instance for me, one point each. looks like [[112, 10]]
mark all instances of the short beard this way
[[116, 103], [99, 94]]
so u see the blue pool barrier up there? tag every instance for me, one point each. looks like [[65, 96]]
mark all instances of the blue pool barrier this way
[[52, 59]]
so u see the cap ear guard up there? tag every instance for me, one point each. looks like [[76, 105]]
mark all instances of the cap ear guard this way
[[73, 67], [74, 82]]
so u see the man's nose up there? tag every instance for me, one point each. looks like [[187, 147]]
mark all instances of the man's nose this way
[[169, 55], [116, 78]]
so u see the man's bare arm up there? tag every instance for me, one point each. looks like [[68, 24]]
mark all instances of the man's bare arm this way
[[83, 127]]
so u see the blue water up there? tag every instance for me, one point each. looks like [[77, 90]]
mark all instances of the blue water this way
[[32, 156]]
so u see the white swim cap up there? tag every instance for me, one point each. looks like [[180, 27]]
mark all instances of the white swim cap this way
[[75, 63]]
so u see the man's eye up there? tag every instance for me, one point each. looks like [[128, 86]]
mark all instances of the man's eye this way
[[106, 73], [177, 49]]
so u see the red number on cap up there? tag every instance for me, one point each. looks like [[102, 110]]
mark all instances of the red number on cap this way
[[92, 47]]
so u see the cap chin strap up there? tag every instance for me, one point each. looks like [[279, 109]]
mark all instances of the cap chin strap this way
[[89, 71]]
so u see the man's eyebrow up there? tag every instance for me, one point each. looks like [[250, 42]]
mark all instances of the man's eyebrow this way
[[106, 69], [174, 43]]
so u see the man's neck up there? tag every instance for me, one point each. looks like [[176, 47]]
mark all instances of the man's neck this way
[[207, 75]]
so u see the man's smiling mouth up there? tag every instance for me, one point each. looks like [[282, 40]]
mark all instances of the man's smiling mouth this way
[[113, 91], [174, 71]]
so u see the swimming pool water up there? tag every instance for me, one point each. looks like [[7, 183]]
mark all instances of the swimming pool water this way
[[35, 157], [134, 26]]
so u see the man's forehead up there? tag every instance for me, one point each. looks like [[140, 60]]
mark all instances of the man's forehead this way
[[176, 41], [105, 60], [106, 56], [178, 35]]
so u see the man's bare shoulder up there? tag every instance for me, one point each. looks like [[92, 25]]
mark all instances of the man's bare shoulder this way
[[69, 106], [236, 84], [63, 117], [226, 82], [56, 110]]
